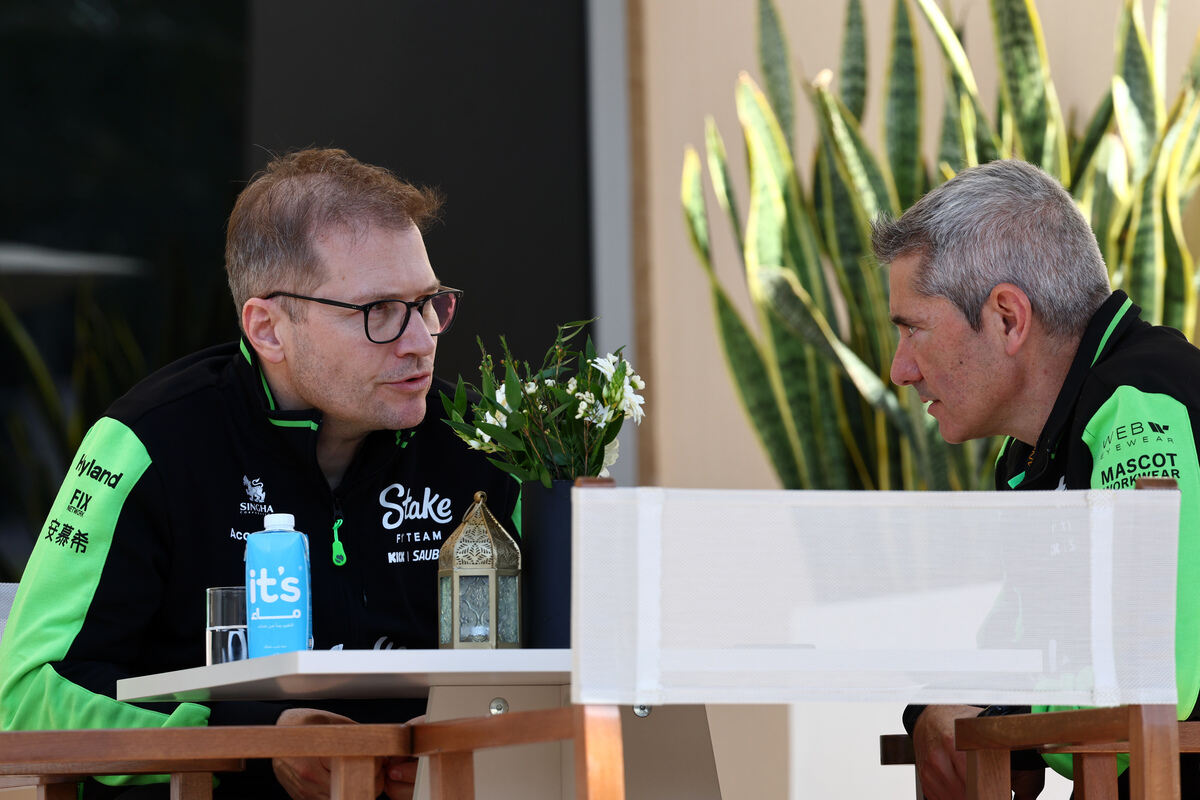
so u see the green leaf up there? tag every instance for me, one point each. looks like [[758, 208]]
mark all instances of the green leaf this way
[[1179, 291], [758, 399], [1136, 103], [870, 195], [1085, 148], [1104, 194], [962, 80], [902, 109], [1158, 34], [795, 308], [853, 69], [1039, 133], [691, 192], [776, 66], [505, 439], [718, 170]]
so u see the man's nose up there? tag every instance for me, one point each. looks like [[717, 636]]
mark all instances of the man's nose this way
[[904, 367], [416, 339]]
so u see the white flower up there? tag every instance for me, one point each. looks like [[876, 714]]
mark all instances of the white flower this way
[[631, 405], [531, 387], [611, 452], [607, 364], [572, 385]]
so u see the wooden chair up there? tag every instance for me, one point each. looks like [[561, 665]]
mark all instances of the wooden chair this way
[[1150, 734], [54, 761]]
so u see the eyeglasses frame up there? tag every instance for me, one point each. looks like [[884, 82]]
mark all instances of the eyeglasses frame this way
[[365, 308]]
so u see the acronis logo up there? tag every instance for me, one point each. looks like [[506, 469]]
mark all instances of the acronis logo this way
[[97, 472]]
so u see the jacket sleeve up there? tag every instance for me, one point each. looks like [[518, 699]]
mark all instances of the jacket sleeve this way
[[87, 599], [1138, 434]]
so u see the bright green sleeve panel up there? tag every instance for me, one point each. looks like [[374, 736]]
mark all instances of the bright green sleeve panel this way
[[57, 588], [1138, 434]]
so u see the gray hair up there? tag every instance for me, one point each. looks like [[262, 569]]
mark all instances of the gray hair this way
[[1001, 222]]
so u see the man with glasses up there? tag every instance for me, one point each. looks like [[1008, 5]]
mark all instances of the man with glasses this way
[[322, 410]]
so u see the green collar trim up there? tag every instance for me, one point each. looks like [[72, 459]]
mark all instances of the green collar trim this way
[[262, 379], [1112, 326], [294, 423]]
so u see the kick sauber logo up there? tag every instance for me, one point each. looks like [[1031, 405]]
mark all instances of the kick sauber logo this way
[[97, 472], [257, 503]]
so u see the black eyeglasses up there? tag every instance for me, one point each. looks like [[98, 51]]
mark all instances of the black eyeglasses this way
[[385, 320]]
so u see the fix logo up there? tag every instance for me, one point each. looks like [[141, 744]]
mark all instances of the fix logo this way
[[97, 472], [79, 502], [257, 496], [1154, 426]]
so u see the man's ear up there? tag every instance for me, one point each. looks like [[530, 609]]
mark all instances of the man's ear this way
[[1012, 313], [262, 321]]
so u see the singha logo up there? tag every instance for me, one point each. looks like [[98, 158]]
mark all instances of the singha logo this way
[[254, 490]]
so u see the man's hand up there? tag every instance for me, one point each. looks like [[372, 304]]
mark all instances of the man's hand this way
[[309, 778], [941, 768], [400, 773]]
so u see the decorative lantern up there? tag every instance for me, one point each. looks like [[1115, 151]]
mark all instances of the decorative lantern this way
[[479, 583]]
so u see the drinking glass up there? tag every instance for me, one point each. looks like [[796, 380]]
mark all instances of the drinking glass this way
[[225, 632]]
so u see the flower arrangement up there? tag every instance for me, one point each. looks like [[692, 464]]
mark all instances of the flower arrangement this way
[[557, 422]]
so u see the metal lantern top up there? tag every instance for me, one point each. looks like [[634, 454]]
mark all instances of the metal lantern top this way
[[480, 541]]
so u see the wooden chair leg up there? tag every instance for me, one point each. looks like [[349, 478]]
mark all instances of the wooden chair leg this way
[[452, 776], [1153, 752], [1095, 776], [57, 791], [352, 777], [988, 775], [191, 786], [599, 757]]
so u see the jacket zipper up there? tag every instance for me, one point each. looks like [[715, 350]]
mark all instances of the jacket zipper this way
[[339, 552]]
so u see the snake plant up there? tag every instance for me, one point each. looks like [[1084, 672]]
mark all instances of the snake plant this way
[[811, 367]]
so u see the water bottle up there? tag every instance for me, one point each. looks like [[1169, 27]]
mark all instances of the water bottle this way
[[278, 600]]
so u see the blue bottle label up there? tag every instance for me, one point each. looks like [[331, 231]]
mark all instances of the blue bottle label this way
[[278, 602]]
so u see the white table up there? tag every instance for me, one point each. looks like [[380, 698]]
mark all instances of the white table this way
[[667, 755], [351, 674]]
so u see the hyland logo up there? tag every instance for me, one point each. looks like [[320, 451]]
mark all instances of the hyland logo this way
[[97, 472], [79, 503], [258, 497]]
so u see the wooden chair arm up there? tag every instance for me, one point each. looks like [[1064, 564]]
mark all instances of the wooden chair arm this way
[[127, 745], [518, 727], [1025, 731], [896, 748], [54, 760]]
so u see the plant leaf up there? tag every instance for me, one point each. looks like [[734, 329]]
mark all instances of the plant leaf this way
[[902, 109], [852, 71], [776, 66], [962, 79], [1039, 133], [718, 171], [1136, 104]]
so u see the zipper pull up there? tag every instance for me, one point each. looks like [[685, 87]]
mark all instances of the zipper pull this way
[[339, 552]]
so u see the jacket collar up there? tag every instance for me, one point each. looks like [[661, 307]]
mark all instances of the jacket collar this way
[[1107, 327], [297, 430]]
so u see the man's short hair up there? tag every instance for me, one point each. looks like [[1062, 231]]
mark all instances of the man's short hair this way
[[1001, 222], [296, 198]]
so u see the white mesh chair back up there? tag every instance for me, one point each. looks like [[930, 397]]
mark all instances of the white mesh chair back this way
[[691, 596], [8, 593]]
